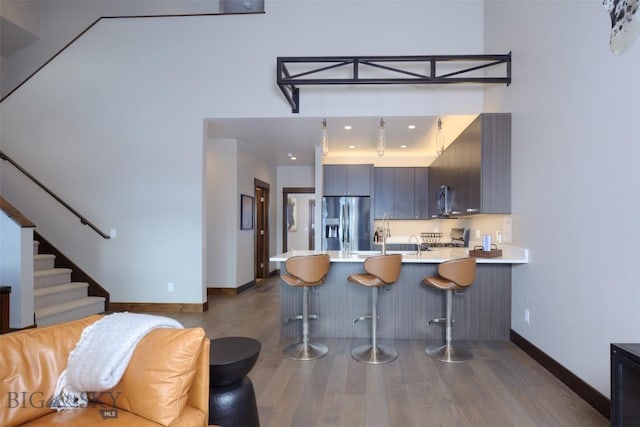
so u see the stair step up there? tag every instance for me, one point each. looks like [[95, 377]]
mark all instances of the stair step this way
[[51, 277], [43, 262], [58, 294], [70, 310]]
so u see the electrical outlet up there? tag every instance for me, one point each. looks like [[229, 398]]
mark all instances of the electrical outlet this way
[[113, 233], [170, 287], [526, 316], [499, 236], [477, 234]]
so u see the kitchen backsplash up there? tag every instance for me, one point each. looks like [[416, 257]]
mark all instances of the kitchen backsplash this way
[[477, 224]]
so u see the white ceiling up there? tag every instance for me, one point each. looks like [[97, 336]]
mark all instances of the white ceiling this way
[[274, 139]]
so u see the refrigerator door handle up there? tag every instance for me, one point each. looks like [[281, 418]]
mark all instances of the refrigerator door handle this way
[[347, 228]]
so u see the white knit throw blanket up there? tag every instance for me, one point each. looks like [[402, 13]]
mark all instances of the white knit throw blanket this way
[[99, 360]]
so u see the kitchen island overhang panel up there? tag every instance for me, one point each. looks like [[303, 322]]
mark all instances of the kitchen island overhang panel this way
[[482, 312]]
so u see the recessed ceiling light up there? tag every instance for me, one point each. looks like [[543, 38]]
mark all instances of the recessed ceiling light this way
[[352, 146], [403, 146], [347, 127], [293, 158], [411, 126]]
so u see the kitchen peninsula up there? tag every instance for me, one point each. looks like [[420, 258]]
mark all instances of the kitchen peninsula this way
[[483, 311]]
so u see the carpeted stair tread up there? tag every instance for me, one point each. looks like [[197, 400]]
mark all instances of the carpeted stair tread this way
[[43, 262], [51, 271], [40, 292]]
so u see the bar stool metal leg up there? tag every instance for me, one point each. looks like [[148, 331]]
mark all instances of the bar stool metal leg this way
[[374, 353], [449, 352], [305, 350]]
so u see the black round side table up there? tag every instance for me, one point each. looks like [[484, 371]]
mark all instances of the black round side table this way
[[232, 400]]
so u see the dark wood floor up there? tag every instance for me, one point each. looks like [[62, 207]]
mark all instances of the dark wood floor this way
[[501, 386]]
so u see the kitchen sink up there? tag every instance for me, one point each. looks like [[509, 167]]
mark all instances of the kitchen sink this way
[[369, 253]]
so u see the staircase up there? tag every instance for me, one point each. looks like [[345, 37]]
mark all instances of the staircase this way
[[56, 298]]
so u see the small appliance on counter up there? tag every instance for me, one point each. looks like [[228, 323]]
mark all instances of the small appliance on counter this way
[[460, 237]]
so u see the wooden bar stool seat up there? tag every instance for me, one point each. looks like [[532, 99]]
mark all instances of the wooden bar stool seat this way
[[380, 270], [452, 276], [305, 272]]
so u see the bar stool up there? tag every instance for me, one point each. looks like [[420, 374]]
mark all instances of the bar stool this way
[[453, 275], [380, 271], [304, 272]]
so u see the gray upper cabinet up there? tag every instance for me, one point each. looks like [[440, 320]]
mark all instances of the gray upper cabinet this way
[[421, 193], [401, 193], [382, 192], [495, 164], [347, 180], [477, 168]]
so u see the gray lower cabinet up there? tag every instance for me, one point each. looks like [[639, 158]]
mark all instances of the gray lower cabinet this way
[[347, 180], [482, 311], [401, 192]]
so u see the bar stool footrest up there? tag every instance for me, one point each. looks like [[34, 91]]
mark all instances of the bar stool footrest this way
[[363, 317], [439, 320], [301, 317]]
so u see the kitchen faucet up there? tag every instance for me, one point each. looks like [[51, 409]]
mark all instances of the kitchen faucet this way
[[418, 245], [386, 232], [387, 228]]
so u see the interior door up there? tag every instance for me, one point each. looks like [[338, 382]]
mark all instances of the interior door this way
[[262, 230]]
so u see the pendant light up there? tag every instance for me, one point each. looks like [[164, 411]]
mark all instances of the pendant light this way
[[325, 138], [381, 138], [439, 139]]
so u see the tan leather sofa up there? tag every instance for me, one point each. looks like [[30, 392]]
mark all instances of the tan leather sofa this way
[[166, 382]]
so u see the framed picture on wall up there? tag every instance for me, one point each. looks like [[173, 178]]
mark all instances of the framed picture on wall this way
[[246, 212]]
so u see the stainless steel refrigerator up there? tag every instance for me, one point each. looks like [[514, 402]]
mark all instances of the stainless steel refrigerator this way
[[346, 223]]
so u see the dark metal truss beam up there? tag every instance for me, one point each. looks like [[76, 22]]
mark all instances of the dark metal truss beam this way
[[458, 69]]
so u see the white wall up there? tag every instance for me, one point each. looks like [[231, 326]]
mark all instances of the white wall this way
[[16, 270], [114, 124], [575, 168], [250, 167], [221, 213], [58, 22]]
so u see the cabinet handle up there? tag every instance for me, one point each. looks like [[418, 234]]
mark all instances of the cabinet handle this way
[[472, 210]]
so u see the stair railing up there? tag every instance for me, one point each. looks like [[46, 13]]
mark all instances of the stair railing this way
[[83, 220]]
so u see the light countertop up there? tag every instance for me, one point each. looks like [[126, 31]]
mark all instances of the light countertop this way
[[510, 255]]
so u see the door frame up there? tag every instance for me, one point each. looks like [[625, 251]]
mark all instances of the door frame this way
[[286, 191], [264, 272]]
